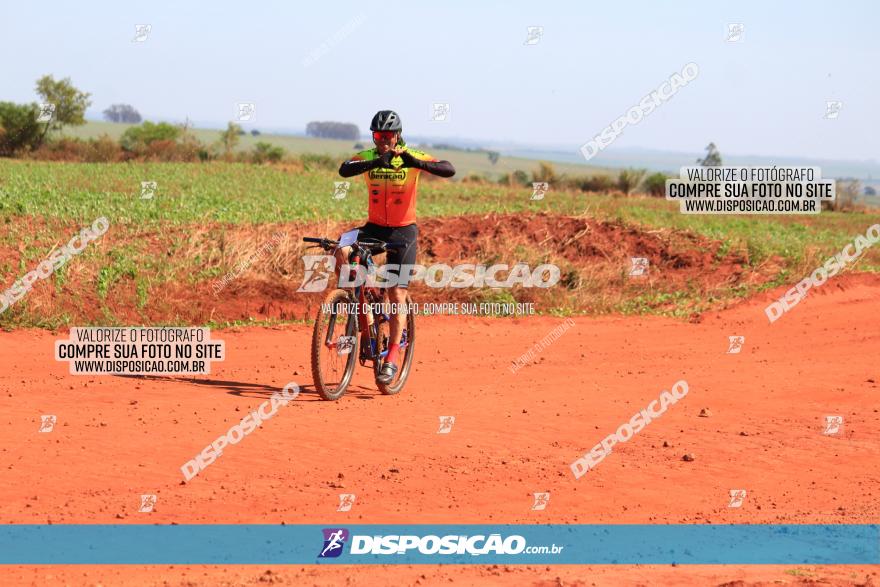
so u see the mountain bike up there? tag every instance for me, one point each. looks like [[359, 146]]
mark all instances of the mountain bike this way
[[348, 313]]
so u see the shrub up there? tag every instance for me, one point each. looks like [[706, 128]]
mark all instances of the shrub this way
[[63, 149], [590, 183], [137, 138], [104, 150], [318, 161], [655, 184], [545, 172], [475, 178], [629, 179], [520, 177], [161, 150], [191, 149], [267, 152], [101, 150], [19, 129], [229, 139], [846, 196]]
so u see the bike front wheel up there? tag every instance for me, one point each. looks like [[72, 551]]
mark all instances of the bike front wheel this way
[[334, 345]]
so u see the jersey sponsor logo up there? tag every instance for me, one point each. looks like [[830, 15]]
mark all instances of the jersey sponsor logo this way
[[388, 174]]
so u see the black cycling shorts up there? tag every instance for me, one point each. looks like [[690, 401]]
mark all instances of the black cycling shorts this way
[[407, 235]]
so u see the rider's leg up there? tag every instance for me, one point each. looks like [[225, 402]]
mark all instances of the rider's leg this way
[[397, 297], [404, 260], [341, 255]]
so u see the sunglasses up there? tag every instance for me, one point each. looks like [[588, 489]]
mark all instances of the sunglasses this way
[[383, 135]]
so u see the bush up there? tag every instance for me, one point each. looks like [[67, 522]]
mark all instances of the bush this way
[[191, 149], [19, 129], [163, 150], [520, 177], [315, 161], [138, 138], [546, 172], [267, 152], [475, 178], [590, 183], [629, 179], [229, 139], [101, 150], [655, 184], [847, 193], [104, 150], [64, 149]]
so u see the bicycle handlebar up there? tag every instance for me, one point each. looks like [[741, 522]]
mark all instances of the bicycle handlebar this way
[[371, 243], [320, 241]]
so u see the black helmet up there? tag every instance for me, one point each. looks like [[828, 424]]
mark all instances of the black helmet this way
[[386, 120]]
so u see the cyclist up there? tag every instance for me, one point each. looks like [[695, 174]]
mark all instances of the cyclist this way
[[392, 172]]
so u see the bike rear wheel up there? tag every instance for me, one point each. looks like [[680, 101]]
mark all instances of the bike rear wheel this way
[[334, 345], [407, 351]]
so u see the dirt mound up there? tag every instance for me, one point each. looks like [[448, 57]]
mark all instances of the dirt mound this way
[[197, 274], [678, 255]]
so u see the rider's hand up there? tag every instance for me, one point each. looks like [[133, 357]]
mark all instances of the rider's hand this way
[[408, 159], [387, 157]]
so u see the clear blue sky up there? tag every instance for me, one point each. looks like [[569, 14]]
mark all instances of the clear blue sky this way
[[764, 95]]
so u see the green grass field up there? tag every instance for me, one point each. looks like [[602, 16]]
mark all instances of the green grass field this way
[[43, 204], [237, 193]]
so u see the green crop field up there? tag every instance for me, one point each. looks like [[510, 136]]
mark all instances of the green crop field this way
[[206, 218], [238, 193]]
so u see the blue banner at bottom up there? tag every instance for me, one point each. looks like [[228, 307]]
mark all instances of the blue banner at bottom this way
[[432, 544]]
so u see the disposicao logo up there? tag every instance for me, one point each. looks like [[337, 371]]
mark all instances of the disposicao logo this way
[[334, 540]]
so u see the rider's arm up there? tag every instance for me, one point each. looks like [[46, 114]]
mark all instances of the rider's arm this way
[[441, 168], [356, 167]]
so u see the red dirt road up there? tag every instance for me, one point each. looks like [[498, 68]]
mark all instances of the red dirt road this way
[[514, 434]]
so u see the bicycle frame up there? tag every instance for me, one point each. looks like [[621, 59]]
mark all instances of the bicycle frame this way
[[365, 297], [370, 295]]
